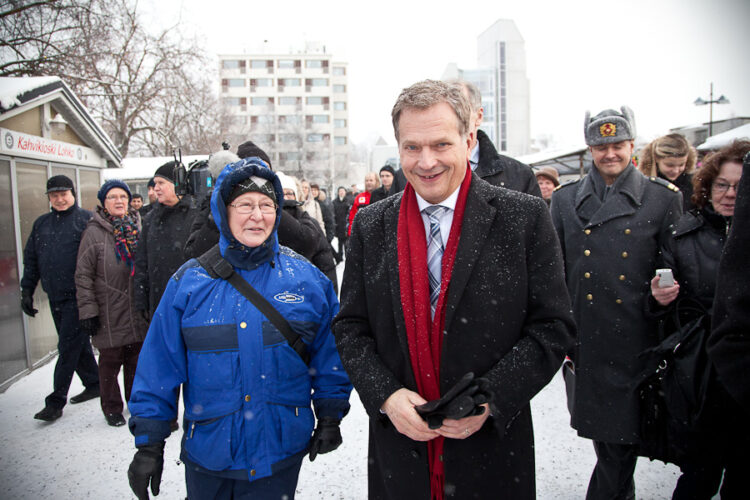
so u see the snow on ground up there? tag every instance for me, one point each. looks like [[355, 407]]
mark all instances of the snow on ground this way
[[80, 456]]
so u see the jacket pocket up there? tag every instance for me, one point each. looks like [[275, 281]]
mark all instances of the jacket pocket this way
[[293, 426], [214, 384], [211, 443]]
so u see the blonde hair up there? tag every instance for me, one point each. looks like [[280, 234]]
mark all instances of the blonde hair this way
[[668, 146]]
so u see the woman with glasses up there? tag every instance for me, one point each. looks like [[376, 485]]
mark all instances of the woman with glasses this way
[[693, 254], [104, 289], [249, 396]]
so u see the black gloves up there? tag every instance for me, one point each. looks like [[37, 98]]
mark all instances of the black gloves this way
[[146, 467], [462, 400], [27, 303], [327, 437], [89, 326]]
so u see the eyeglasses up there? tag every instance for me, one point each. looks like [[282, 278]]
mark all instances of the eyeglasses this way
[[115, 197], [723, 187], [248, 208]]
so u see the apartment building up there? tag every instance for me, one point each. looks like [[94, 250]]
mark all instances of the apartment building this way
[[294, 106]]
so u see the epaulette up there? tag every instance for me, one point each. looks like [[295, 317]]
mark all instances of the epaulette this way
[[664, 183], [569, 183]]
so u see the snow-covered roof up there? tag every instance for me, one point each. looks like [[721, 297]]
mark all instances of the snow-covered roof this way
[[27, 91], [718, 141], [144, 168], [565, 161]]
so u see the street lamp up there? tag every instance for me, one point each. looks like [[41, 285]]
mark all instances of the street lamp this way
[[711, 102]]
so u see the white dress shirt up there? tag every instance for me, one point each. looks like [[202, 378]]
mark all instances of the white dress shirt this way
[[446, 217]]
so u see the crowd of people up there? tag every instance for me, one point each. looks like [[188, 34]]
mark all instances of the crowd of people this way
[[469, 280]]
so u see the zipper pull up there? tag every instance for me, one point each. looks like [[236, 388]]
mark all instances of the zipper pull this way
[[192, 429], [296, 411]]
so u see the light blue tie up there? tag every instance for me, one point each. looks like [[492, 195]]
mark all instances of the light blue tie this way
[[435, 249]]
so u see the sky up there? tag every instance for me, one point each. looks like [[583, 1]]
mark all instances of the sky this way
[[655, 56]]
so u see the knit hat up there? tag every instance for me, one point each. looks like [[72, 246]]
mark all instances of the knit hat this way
[[166, 171], [550, 173], [60, 183], [151, 183], [249, 185], [388, 168], [112, 183], [248, 149], [288, 182], [219, 160], [609, 127]]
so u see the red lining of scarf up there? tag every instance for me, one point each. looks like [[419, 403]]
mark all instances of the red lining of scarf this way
[[425, 334]]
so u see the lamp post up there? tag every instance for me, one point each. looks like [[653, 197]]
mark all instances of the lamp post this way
[[711, 102]]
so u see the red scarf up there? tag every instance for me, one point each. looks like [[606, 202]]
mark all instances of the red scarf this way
[[423, 333]]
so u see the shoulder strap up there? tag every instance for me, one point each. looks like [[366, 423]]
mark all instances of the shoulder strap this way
[[218, 267]]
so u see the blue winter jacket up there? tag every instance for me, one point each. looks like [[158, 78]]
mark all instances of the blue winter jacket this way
[[247, 393]]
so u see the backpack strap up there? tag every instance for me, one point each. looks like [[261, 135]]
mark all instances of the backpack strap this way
[[218, 267]]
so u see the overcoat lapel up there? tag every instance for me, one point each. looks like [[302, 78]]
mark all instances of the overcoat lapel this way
[[622, 202], [477, 224]]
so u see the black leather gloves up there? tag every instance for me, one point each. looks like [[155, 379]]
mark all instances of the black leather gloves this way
[[462, 400], [89, 326], [146, 467], [327, 437], [27, 303]]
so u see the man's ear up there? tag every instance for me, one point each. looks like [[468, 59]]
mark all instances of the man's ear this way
[[480, 116]]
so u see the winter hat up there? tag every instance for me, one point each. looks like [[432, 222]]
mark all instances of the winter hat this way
[[166, 171], [219, 160], [248, 149], [60, 183], [288, 182], [251, 184], [151, 183], [112, 183], [609, 127], [388, 168], [550, 173]]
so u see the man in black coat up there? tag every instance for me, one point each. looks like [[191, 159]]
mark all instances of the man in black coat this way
[[501, 311], [486, 162], [160, 246], [611, 225], [342, 204], [50, 254], [326, 208]]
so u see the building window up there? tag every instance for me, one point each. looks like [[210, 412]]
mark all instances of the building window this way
[[318, 118], [288, 138], [288, 63], [289, 101], [259, 63], [339, 123], [261, 82], [339, 89], [261, 101], [232, 101], [339, 141], [289, 156], [290, 82], [261, 119], [313, 63], [262, 138], [339, 106], [339, 70], [314, 101], [290, 119], [230, 64], [235, 82], [317, 137]]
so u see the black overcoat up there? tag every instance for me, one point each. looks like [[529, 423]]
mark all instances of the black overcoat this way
[[504, 171], [611, 252], [507, 319]]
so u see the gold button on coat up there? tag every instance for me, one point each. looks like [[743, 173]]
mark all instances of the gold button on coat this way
[[622, 277], [587, 231], [587, 252], [627, 231], [243, 325], [252, 472], [586, 275], [247, 398], [619, 301], [624, 255], [589, 297]]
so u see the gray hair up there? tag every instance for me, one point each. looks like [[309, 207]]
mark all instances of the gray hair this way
[[427, 93], [475, 96]]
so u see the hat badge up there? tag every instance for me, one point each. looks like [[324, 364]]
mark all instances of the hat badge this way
[[608, 130]]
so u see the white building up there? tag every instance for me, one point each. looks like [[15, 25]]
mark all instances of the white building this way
[[501, 77], [294, 105]]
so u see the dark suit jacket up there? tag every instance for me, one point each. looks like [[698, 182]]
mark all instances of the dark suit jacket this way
[[507, 319], [504, 171]]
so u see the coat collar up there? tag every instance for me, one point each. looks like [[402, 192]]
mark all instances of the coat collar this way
[[489, 163], [624, 200]]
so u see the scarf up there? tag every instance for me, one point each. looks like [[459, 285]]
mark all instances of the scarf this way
[[425, 334], [125, 231]]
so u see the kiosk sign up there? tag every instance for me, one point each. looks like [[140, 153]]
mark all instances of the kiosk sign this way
[[32, 146]]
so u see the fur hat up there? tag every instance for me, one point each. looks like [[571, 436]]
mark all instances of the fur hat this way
[[549, 173], [60, 183], [609, 127], [110, 184], [219, 160], [166, 171]]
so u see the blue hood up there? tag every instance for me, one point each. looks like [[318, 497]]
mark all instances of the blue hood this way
[[232, 250]]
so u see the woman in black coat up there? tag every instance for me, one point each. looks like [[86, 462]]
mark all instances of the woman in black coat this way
[[693, 254]]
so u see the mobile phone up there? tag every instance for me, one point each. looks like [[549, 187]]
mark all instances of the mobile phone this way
[[666, 279]]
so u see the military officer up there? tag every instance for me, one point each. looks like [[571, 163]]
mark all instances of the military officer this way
[[611, 225]]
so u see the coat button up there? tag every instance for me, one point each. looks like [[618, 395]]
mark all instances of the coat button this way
[[247, 398], [622, 277], [586, 275], [587, 231], [414, 454], [587, 252], [624, 255], [252, 472], [627, 231], [589, 297], [619, 301], [243, 325]]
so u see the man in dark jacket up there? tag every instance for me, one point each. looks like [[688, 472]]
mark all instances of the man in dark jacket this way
[[160, 247], [387, 184], [326, 209], [145, 209], [611, 225], [494, 304], [485, 161], [50, 255], [341, 206]]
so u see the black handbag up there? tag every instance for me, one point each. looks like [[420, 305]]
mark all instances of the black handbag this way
[[673, 390]]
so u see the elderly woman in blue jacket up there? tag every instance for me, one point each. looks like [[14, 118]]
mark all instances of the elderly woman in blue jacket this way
[[248, 419]]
